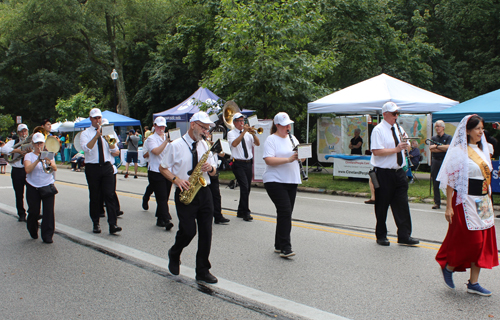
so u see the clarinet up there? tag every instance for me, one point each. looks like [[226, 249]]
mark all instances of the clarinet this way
[[429, 141], [302, 171], [407, 165]]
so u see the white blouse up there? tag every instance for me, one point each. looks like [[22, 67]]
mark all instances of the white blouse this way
[[38, 178]]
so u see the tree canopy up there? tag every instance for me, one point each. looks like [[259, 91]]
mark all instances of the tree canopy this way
[[268, 56]]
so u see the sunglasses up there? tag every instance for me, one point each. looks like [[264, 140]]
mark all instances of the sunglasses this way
[[396, 113]]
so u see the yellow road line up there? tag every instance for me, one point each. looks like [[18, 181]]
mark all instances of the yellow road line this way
[[351, 233]]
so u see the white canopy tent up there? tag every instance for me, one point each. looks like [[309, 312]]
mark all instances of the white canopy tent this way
[[368, 97]]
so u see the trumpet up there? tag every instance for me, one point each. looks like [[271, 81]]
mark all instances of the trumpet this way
[[111, 141], [253, 130]]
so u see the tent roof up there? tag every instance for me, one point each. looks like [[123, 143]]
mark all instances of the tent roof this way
[[118, 120], [185, 110], [486, 106], [368, 97]]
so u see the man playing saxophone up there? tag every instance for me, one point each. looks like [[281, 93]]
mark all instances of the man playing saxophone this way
[[179, 163]]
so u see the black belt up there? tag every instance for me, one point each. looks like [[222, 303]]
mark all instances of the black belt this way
[[242, 160], [392, 170], [97, 164]]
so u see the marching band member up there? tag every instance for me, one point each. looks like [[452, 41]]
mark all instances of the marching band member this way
[[156, 144], [18, 174], [37, 180], [182, 157], [241, 141], [281, 178], [215, 190], [145, 153], [99, 172]]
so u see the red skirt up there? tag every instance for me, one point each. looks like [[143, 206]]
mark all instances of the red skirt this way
[[462, 246]]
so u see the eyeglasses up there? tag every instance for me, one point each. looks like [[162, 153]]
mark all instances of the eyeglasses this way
[[239, 120], [204, 128], [395, 113]]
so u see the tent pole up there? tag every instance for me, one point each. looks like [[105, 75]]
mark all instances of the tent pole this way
[[307, 138]]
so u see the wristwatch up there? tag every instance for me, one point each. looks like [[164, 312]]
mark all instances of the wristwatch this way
[[173, 179]]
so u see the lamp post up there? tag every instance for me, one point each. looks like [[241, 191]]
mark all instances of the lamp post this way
[[114, 76]]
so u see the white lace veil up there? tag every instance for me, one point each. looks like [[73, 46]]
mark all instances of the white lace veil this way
[[454, 171]]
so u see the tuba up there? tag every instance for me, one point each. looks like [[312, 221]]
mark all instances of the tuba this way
[[196, 179], [228, 112], [25, 144]]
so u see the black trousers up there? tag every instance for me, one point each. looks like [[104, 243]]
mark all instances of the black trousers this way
[[243, 174], [283, 196], [216, 197], [393, 192], [101, 182], [18, 176], [198, 212], [161, 187], [435, 167], [48, 224], [149, 191], [115, 198]]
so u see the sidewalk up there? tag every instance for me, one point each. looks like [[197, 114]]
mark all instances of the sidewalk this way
[[424, 178]]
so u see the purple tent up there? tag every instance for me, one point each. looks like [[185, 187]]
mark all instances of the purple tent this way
[[185, 110]]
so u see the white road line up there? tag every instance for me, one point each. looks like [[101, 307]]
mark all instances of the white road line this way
[[230, 286], [9, 187], [350, 202]]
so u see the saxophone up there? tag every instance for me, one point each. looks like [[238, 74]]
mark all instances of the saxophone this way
[[196, 179]]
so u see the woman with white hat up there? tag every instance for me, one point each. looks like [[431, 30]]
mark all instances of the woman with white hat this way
[[40, 190], [281, 178]]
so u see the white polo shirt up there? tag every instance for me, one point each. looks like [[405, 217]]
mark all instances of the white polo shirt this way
[[152, 142], [92, 155], [382, 138], [237, 152], [179, 157], [38, 178]]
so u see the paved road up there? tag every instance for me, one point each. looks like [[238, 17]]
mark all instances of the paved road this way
[[338, 271]]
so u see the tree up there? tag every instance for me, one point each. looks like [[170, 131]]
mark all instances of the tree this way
[[263, 58], [76, 106]]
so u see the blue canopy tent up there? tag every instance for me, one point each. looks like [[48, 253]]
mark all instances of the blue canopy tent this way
[[486, 106], [185, 110], [118, 120]]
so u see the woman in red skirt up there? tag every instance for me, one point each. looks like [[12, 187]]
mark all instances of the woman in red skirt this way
[[465, 176]]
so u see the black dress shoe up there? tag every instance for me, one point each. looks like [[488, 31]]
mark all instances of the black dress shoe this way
[[370, 201], [113, 228], [410, 241], [22, 219], [248, 217], [97, 228], [145, 204], [221, 220], [47, 240], [169, 225], [436, 207], [160, 223], [119, 213], [207, 277], [173, 264], [383, 242]]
